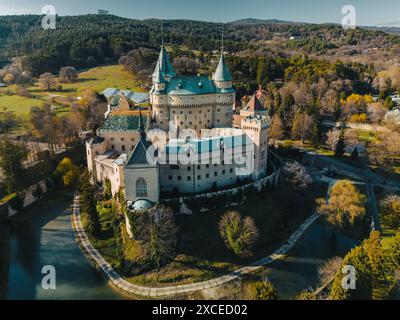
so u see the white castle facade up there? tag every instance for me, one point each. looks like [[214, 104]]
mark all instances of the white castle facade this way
[[185, 143]]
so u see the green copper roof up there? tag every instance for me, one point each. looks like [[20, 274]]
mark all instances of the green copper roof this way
[[191, 85], [124, 122], [159, 77], [222, 73], [164, 65]]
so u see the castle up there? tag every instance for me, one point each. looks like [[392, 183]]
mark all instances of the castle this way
[[185, 143]]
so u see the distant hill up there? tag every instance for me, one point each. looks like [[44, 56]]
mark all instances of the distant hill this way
[[252, 21], [89, 40]]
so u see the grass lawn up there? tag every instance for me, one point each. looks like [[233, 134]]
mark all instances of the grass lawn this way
[[98, 79], [202, 254], [17, 104], [387, 236], [365, 135]]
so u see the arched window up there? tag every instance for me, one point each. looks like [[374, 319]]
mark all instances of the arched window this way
[[141, 188]]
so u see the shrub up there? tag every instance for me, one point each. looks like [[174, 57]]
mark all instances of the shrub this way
[[263, 290], [239, 234], [390, 211]]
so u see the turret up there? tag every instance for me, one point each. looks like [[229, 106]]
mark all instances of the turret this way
[[159, 79], [164, 66], [222, 76]]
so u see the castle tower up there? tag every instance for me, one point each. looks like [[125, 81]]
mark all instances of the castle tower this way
[[256, 128], [225, 100]]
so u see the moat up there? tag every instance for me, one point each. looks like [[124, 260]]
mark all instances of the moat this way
[[47, 238]]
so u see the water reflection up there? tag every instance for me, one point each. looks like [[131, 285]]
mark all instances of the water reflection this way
[[300, 270], [47, 239]]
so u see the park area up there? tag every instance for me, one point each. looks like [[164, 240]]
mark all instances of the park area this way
[[98, 79]]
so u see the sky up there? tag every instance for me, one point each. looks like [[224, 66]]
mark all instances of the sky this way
[[368, 12]]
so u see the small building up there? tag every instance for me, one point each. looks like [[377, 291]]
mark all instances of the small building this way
[[393, 116]]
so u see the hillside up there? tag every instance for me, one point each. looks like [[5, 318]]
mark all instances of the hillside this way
[[90, 40]]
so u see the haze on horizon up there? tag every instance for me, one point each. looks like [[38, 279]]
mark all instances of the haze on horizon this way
[[369, 12]]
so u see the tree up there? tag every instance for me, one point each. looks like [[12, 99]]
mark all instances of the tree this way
[[302, 127], [378, 262], [263, 290], [276, 130], [239, 234], [107, 189], [185, 66], [332, 138], [346, 205], [357, 258], [157, 232], [375, 276], [390, 211], [328, 270], [12, 156], [68, 173], [47, 81], [68, 74], [385, 149], [307, 295], [87, 202], [298, 174], [340, 146]]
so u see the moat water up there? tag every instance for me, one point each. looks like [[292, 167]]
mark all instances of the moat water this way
[[47, 238]]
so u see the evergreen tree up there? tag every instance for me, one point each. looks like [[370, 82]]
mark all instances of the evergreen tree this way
[[357, 258], [87, 201], [340, 146], [11, 162]]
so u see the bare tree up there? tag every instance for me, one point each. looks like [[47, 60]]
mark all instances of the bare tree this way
[[47, 81], [68, 74], [332, 138], [302, 127]]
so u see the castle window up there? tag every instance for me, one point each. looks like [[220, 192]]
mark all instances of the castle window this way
[[122, 139], [179, 178], [198, 177], [207, 175], [189, 168], [170, 178], [141, 188], [198, 167], [123, 148], [189, 178], [215, 174], [113, 147], [223, 171], [231, 170]]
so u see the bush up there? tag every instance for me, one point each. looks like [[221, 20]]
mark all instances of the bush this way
[[262, 290], [239, 234], [390, 212]]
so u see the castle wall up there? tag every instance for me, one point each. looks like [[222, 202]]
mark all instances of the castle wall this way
[[120, 141], [150, 174]]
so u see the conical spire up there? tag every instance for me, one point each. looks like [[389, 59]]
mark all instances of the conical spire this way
[[222, 72], [141, 124], [164, 65], [158, 75]]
